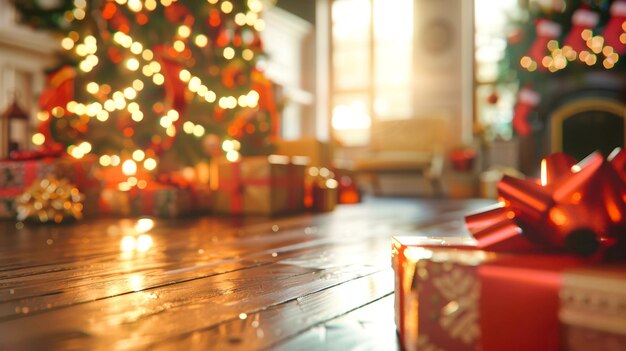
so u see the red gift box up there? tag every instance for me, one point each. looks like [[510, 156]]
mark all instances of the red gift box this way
[[451, 296]]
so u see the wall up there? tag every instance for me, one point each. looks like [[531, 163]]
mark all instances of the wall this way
[[287, 43], [444, 52], [24, 55]]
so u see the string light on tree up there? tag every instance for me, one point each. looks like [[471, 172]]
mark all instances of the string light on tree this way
[[133, 96]]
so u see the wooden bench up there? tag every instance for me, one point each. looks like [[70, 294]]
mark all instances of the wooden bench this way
[[411, 146]]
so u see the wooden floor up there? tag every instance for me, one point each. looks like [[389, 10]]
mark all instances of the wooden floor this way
[[306, 282]]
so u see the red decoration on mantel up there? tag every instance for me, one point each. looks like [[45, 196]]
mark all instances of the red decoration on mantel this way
[[578, 208], [546, 31], [527, 101], [581, 19], [615, 30]]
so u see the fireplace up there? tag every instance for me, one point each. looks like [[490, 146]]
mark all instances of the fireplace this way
[[590, 124]]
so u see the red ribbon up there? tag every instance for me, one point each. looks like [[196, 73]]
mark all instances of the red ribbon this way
[[579, 208]]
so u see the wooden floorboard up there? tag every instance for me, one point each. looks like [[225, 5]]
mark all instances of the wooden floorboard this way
[[268, 327], [242, 283], [370, 327]]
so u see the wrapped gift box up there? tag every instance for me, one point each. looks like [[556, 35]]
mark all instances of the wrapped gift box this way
[[324, 197], [16, 176], [451, 296], [593, 308], [156, 199], [260, 185]]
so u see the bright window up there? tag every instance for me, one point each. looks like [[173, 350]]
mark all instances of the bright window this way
[[372, 55], [494, 101]]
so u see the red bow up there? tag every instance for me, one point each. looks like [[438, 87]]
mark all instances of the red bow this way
[[579, 208]]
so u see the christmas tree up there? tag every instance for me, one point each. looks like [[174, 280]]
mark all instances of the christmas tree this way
[[555, 44], [145, 81]]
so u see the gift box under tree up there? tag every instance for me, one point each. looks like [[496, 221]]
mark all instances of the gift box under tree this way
[[159, 200], [17, 175], [263, 185]]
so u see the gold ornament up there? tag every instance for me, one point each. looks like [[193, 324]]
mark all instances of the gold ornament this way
[[50, 199]]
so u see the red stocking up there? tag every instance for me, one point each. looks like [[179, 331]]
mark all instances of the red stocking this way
[[615, 30], [546, 31], [581, 20], [527, 100]]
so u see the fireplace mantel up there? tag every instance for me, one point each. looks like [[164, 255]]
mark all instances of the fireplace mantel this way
[[610, 108]]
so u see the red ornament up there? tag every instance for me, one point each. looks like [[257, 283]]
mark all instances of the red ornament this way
[[119, 22], [177, 13], [463, 159], [215, 24], [115, 55], [256, 43], [348, 191], [515, 36], [108, 10], [493, 98], [577, 208], [223, 38], [231, 74]]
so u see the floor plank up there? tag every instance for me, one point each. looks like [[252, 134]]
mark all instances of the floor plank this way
[[370, 328], [268, 327], [310, 280]]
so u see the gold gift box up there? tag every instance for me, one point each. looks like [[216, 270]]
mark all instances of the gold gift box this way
[[263, 185]]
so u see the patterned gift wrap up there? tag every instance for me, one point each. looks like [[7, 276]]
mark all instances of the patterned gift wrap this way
[[450, 296], [16, 176], [157, 200], [262, 185], [593, 308]]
